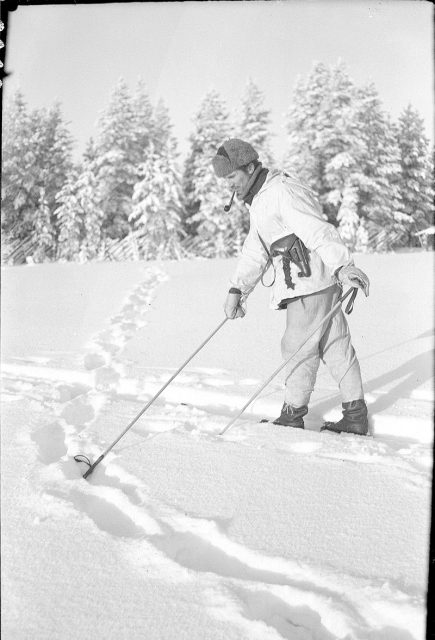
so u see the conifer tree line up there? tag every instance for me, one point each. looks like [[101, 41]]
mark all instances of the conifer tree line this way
[[131, 197]]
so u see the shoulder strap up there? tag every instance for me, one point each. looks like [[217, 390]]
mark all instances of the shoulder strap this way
[[267, 265], [264, 246]]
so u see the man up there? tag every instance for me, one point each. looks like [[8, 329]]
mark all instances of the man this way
[[310, 262]]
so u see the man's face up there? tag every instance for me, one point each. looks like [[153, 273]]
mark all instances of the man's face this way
[[237, 181]]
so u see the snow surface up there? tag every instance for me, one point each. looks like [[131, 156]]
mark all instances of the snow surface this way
[[180, 534]]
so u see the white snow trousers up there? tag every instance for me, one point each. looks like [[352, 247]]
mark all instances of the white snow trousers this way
[[331, 344]]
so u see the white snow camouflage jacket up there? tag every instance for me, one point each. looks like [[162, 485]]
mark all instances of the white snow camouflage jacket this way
[[281, 207]]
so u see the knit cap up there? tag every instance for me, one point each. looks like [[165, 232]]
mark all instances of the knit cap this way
[[232, 155]]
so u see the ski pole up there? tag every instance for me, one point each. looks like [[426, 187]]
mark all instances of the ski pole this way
[[354, 291], [82, 458]]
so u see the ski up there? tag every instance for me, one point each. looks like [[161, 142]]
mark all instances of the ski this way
[[324, 427], [267, 420]]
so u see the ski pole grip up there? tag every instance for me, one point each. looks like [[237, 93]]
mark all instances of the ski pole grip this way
[[92, 467]]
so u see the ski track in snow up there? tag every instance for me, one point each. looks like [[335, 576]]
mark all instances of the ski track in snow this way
[[293, 600]]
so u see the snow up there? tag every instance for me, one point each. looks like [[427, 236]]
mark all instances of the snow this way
[[263, 533]]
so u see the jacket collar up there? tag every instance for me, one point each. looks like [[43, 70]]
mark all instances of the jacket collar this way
[[270, 179], [255, 183]]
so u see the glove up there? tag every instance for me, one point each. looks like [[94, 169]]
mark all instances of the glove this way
[[233, 306], [351, 276]]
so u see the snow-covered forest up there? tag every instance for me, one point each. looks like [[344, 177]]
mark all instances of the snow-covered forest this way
[[130, 196]]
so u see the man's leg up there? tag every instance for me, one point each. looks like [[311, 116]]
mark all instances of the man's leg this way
[[337, 352], [303, 315]]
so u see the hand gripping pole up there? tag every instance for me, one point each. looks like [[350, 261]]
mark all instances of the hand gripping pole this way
[[349, 307], [81, 458]]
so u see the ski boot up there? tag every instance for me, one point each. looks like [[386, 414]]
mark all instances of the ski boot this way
[[354, 419], [292, 416]]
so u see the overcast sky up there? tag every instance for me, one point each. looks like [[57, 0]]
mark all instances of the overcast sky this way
[[76, 54]]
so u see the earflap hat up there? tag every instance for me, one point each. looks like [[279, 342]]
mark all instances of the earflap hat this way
[[232, 155]]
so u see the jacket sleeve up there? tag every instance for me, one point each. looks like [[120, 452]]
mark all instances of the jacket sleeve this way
[[301, 213], [251, 263]]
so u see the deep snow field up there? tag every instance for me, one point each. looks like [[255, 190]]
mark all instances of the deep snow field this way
[[180, 534]]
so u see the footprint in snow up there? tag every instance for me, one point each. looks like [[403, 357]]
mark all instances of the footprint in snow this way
[[67, 392], [107, 378], [50, 440], [94, 361], [78, 413]]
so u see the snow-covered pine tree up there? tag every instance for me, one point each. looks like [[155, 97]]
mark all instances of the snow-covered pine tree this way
[[162, 135], [326, 145], [338, 142], [156, 206], [36, 159], [143, 122], [79, 215], [20, 170], [43, 231], [89, 201], [117, 159], [253, 122], [253, 125], [69, 221], [305, 121], [380, 200], [342, 143], [90, 153], [54, 155], [342, 149], [190, 202], [362, 243], [347, 216], [416, 187], [216, 233], [16, 129]]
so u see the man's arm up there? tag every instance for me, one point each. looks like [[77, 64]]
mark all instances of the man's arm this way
[[301, 213], [248, 272]]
